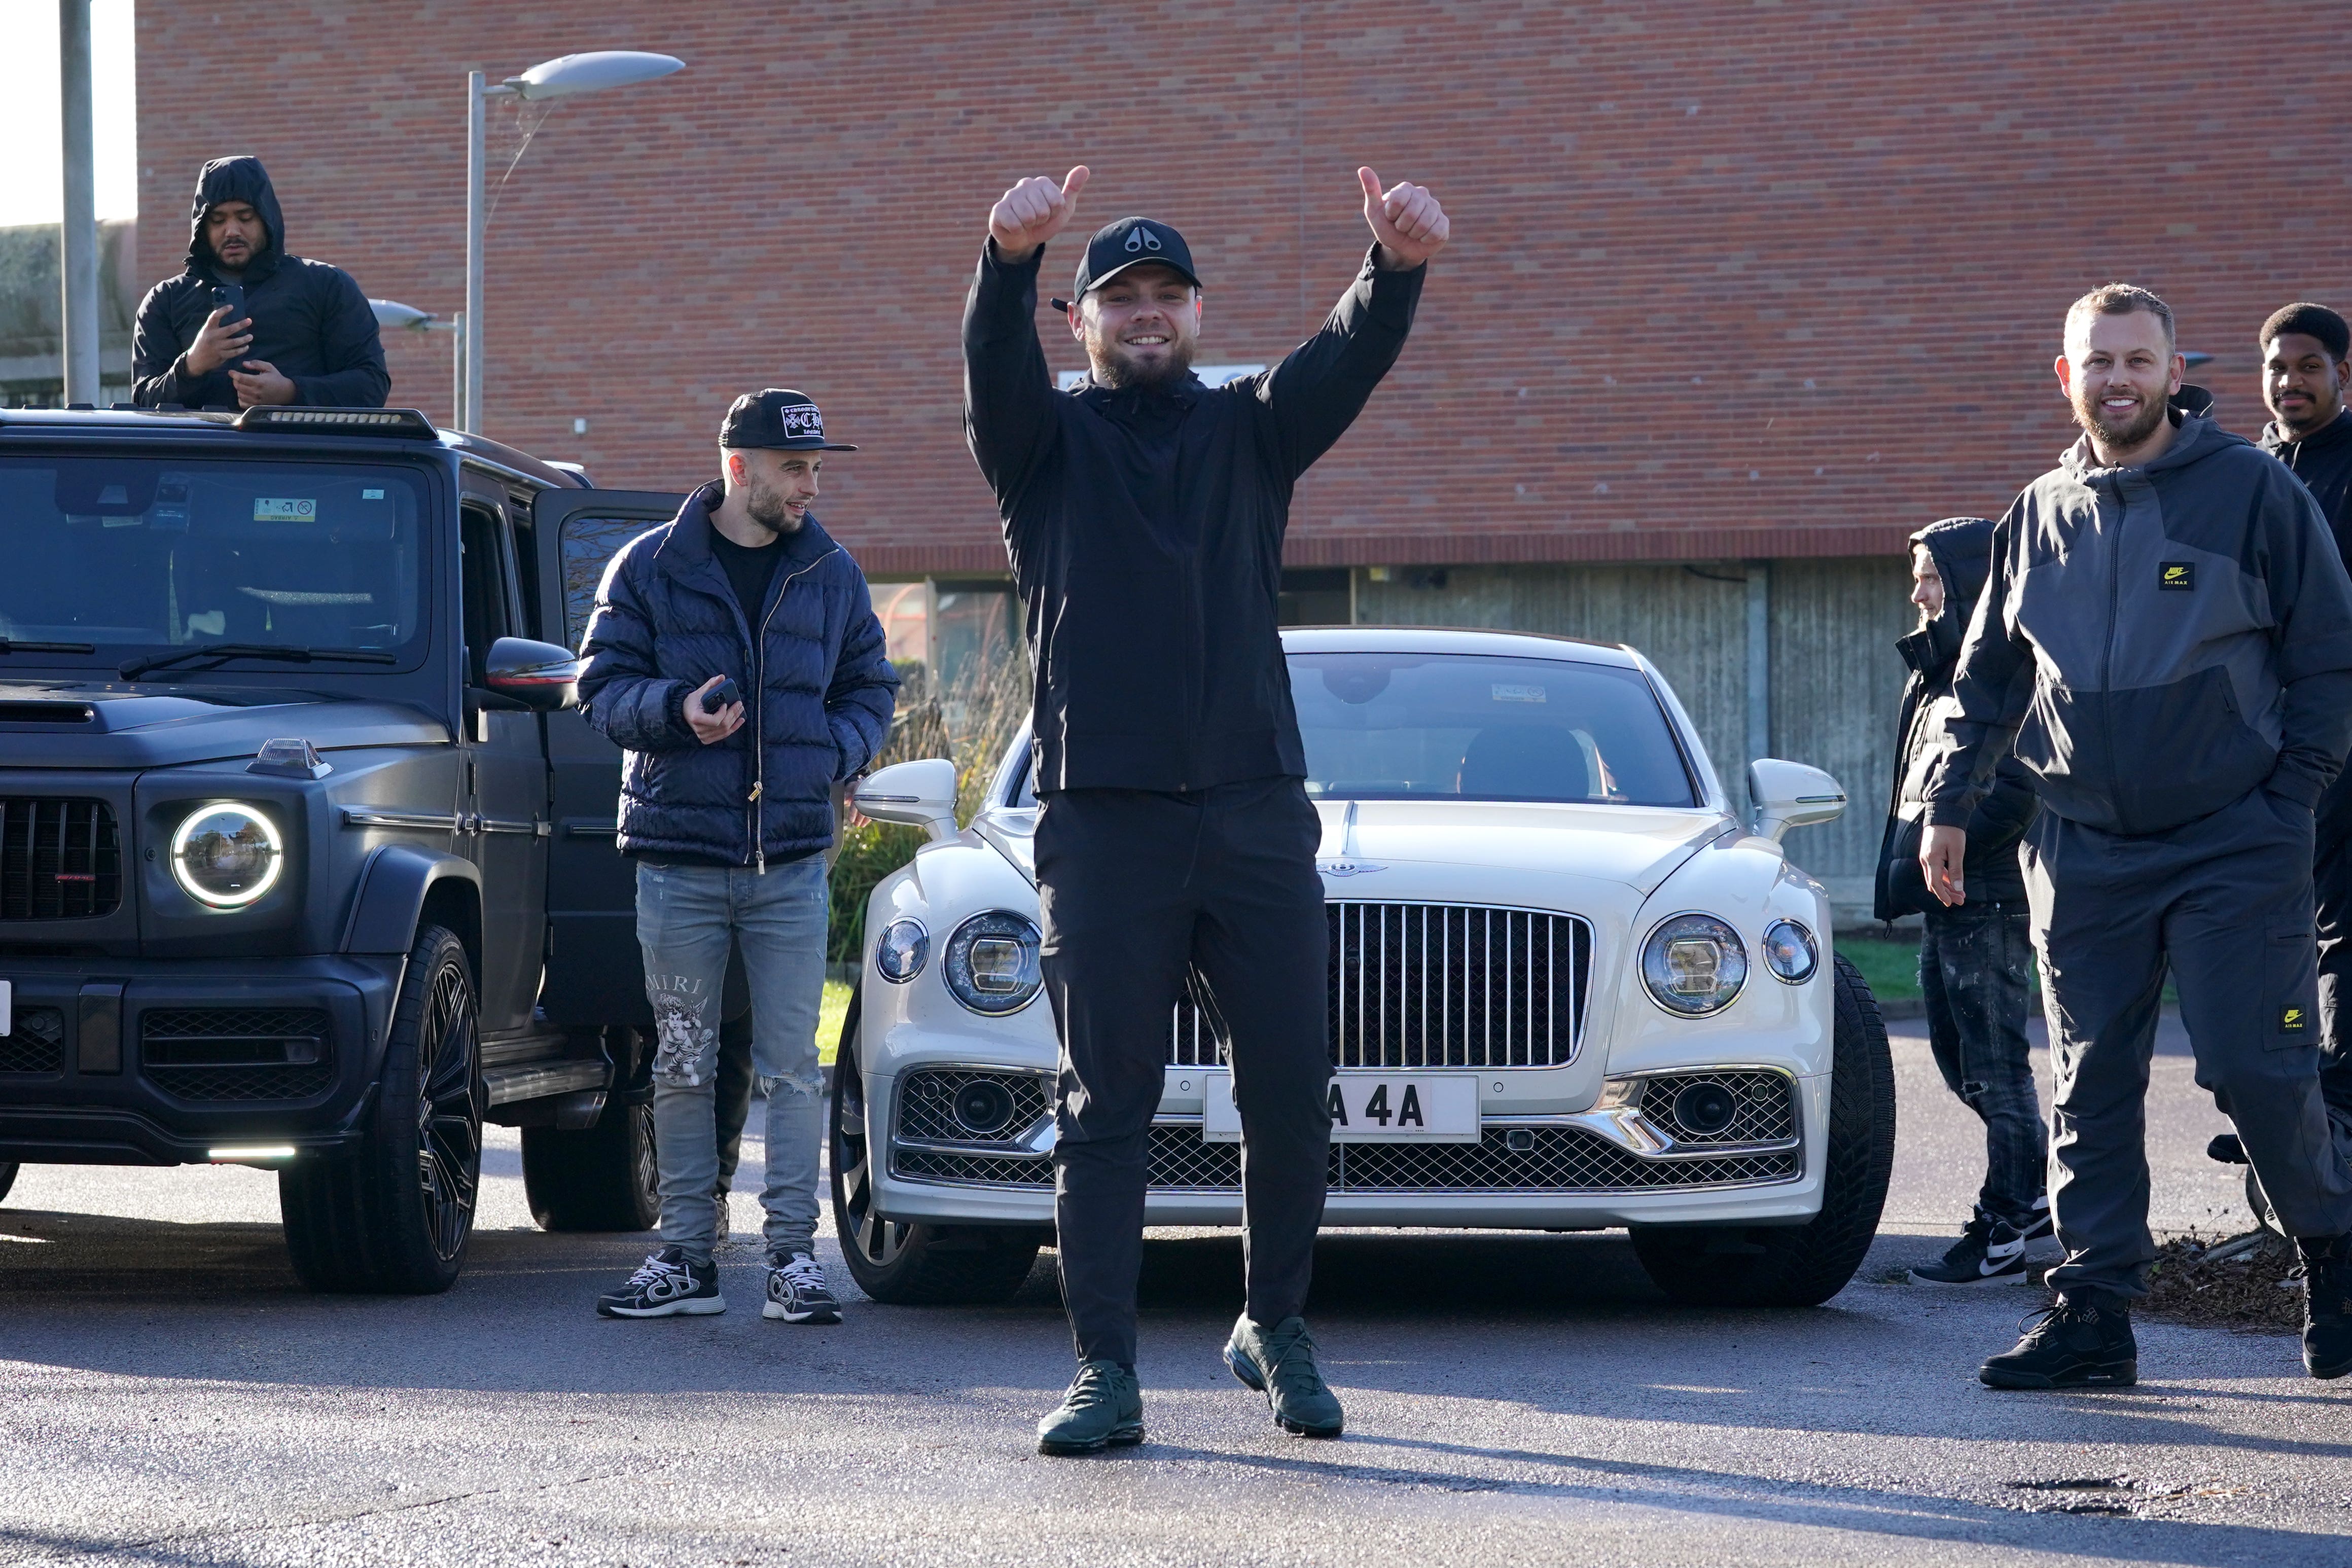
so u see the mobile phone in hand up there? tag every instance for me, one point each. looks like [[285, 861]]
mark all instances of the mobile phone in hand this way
[[232, 296], [720, 695]]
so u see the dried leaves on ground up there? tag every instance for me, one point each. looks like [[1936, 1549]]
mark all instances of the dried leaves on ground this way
[[2243, 1282]]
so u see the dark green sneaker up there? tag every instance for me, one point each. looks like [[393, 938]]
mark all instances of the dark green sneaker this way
[[1279, 1363], [1103, 1409]]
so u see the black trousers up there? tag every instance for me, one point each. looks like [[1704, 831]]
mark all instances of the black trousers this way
[[2331, 877], [2225, 903], [1140, 890]]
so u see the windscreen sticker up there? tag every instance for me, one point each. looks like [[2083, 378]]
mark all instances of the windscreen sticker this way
[[371, 495], [1503, 693], [283, 509]]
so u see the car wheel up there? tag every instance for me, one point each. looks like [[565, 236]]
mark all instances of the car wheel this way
[[394, 1216], [599, 1178], [7, 1178], [1802, 1265], [893, 1261]]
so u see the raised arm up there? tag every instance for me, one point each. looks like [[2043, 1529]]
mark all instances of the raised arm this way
[[1008, 410]]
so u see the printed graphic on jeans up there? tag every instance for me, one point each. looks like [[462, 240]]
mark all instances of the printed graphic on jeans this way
[[685, 1053]]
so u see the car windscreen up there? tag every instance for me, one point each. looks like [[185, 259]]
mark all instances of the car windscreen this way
[[138, 554], [1411, 726]]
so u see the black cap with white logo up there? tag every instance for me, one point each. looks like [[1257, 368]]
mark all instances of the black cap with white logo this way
[[780, 418], [1131, 242]]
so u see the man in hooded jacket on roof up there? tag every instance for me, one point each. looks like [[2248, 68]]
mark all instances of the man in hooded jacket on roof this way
[[305, 334]]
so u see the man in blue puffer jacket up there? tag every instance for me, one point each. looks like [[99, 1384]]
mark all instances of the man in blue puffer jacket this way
[[726, 807]]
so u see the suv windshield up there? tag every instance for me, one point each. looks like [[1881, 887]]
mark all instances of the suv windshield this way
[[1382, 726], [142, 555]]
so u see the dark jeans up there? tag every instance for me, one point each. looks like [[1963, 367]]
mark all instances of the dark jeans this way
[[1140, 889], [1974, 970], [2331, 875]]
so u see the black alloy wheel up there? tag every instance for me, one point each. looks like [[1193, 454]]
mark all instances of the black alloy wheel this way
[[395, 1216], [895, 1261], [7, 1177]]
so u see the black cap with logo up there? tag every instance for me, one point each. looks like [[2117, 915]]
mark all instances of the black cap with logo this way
[[1131, 242], [780, 418]]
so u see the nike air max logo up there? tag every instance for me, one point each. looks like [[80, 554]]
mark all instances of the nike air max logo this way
[[2291, 1020], [2180, 575]]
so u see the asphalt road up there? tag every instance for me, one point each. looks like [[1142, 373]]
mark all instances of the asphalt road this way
[[168, 1395]]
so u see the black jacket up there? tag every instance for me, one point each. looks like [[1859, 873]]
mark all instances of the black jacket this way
[[309, 319], [1962, 550], [2189, 624], [816, 678], [2323, 461], [1145, 529]]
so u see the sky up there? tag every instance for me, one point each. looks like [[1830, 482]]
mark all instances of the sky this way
[[31, 187]]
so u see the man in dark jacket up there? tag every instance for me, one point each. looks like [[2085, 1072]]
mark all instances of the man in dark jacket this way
[[2189, 627], [1974, 957], [2306, 365], [1144, 513], [734, 658], [307, 335]]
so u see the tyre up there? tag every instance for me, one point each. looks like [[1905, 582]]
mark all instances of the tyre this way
[[902, 1264], [394, 1218], [1802, 1265], [600, 1178], [7, 1179]]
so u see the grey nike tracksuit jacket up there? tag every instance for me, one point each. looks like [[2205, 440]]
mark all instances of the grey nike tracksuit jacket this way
[[2189, 627]]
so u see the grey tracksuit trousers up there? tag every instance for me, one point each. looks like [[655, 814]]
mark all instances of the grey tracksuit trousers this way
[[1138, 888], [2225, 902]]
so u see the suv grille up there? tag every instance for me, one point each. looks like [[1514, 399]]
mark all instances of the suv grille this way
[[237, 1053], [1439, 986], [59, 858], [38, 1044]]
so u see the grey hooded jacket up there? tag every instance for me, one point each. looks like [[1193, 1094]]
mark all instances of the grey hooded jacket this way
[[2189, 628]]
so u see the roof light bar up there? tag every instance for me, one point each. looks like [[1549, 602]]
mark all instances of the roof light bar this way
[[353, 421]]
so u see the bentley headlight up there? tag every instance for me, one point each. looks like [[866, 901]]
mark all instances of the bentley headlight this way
[[990, 963], [1789, 952], [226, 855], [1694, 964], [899, 952]]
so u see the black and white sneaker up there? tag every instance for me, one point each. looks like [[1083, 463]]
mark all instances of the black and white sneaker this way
[[2041, 1227], [1991, 1250], [668, 1284], [797, 1294]]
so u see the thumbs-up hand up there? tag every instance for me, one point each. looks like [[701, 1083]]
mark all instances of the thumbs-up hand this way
[[1406, 220], [1033, 212]]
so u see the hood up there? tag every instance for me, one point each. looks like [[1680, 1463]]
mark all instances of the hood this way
[[238, 179], [1962, 548], [2198, 438], [60, 724]]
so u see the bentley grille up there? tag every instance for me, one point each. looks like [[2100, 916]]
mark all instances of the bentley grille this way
[[1438, 985]]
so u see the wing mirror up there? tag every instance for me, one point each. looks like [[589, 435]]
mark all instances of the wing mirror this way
[[923, 794], [535, 675], [1791, 794]]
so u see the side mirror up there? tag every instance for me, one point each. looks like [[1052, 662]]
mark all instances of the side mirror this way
[[536, 675], [923, 794], [1790, 795]]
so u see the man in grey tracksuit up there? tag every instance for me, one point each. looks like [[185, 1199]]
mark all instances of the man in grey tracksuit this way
[[2189, 624]]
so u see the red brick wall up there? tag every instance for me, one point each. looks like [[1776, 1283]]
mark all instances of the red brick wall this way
[[1727, 279]]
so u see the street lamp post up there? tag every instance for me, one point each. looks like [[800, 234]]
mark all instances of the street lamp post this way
[[559, 78], [394, 316]]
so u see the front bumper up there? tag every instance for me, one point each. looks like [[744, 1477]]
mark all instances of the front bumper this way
[[154, 1062]]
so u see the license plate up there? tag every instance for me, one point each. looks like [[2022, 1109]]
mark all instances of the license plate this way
[[1369, 1108]]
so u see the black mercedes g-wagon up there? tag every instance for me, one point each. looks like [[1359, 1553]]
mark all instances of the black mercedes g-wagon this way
[[305, 853]]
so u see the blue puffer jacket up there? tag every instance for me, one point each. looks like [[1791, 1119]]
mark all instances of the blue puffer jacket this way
[[819, 691]]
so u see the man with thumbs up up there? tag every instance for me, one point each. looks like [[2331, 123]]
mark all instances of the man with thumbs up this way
[[1144, 513]]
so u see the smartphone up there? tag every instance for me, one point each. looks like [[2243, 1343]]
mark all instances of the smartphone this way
[[720, 695], [233, 296]]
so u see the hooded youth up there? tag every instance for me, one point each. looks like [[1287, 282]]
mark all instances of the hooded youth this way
[[2188, 628], [309, 319]]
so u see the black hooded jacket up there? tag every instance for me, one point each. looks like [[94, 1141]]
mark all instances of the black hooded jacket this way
[[1962, 548], [2323, 461], [309, 319]]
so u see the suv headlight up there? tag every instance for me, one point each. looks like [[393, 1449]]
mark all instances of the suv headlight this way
[[990, 965], [1789, 952], [899, 950], [226, 855], [1694, 964]]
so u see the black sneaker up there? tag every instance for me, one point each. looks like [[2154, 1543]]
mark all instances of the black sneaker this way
[[2040, 1225], [2084, 1340], [1990, 1251], [2327, 1305], [797, 1293], [668, 1284], [2227, 1149]]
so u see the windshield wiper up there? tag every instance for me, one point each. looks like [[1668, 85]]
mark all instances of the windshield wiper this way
[[9, 645], [213, 654]]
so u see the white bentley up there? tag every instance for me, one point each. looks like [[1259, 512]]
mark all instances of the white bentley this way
[[1570, 989]]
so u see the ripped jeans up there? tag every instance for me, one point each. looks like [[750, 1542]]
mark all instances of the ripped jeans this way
[[1974, 978], [687, 916]]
